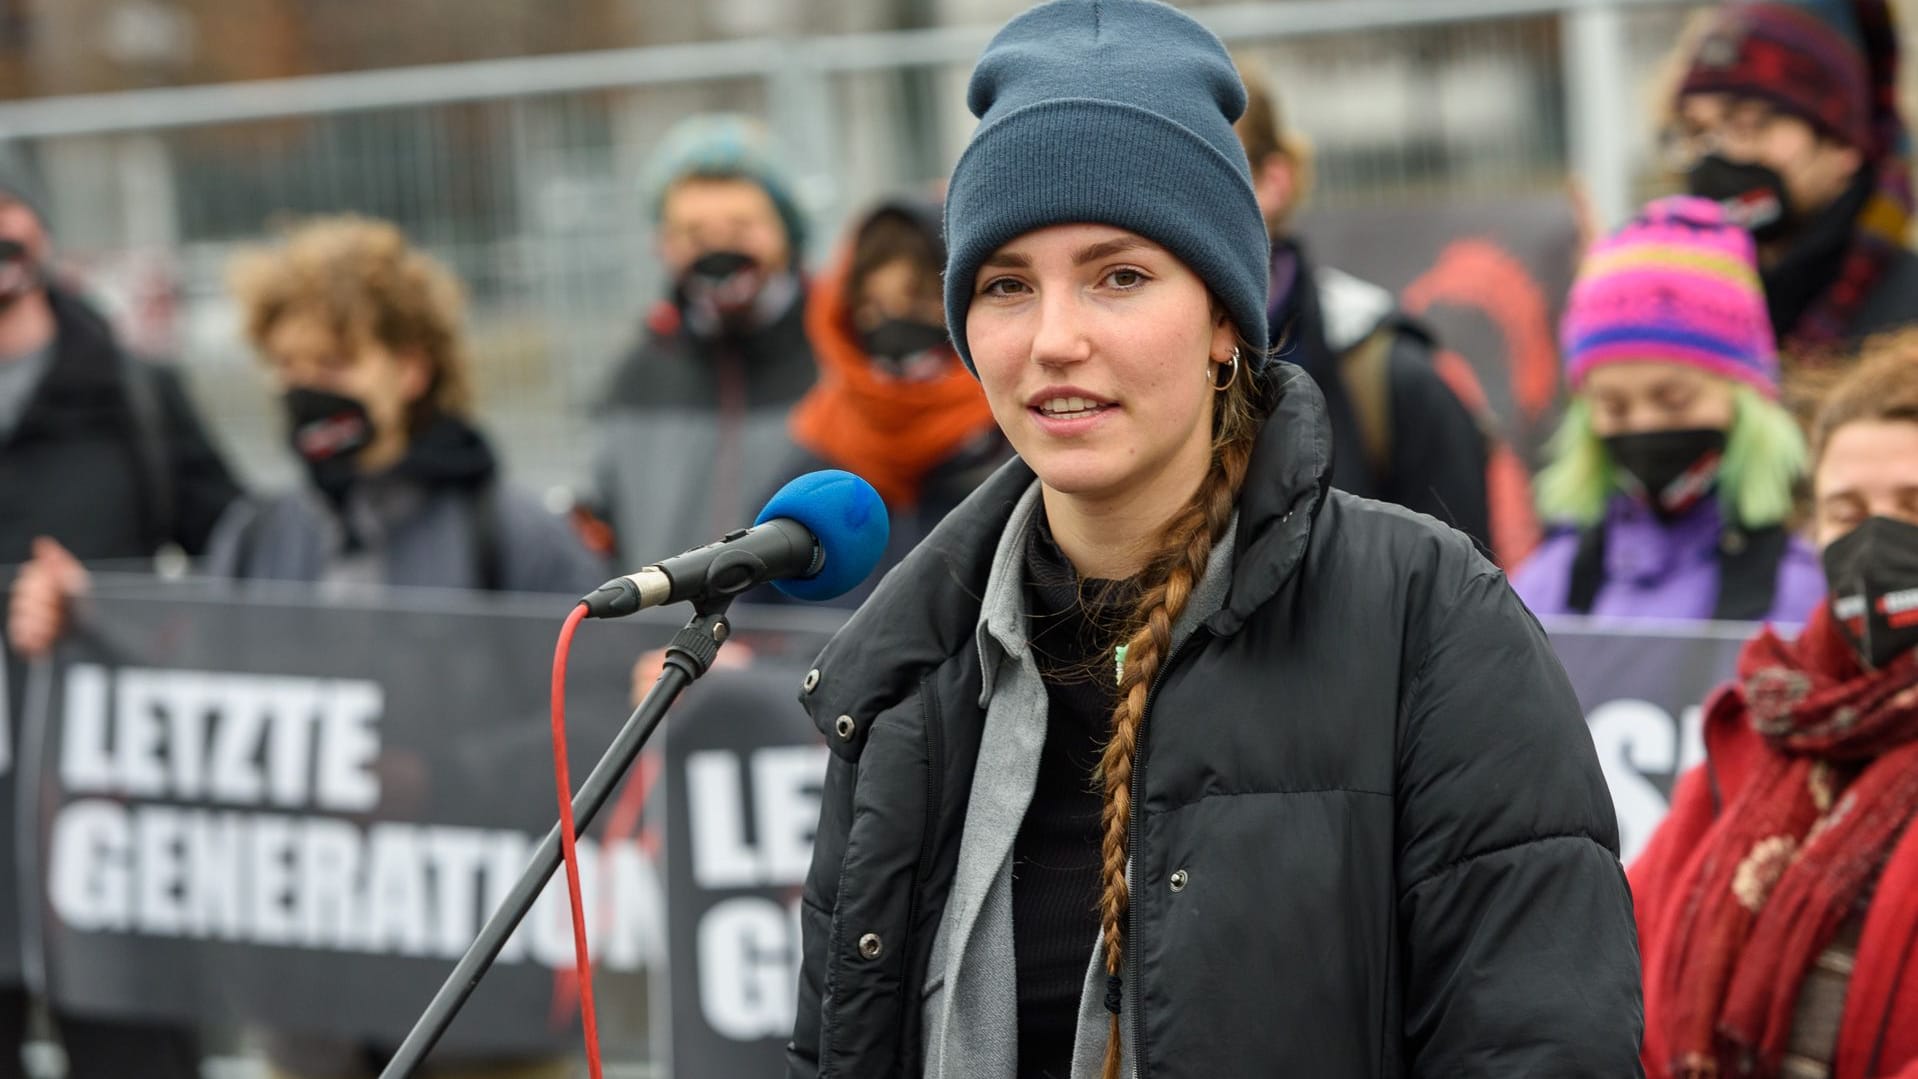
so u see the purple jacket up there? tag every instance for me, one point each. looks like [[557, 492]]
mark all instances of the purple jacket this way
[[1653, 570]]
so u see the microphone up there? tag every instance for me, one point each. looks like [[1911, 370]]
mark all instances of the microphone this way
[[817, 538]]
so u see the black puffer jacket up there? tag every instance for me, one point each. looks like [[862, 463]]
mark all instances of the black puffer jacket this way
[[1401, 855]]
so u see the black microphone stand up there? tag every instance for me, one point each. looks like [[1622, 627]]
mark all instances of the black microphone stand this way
[[689, 655]]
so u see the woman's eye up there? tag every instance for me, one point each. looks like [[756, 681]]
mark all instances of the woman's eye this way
[[1125, 278], [1002, 286]]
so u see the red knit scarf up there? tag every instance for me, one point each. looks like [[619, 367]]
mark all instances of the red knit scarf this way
[[1793, 856]]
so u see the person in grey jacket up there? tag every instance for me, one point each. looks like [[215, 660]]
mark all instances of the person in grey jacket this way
[[1160, 757], [362, 334], [691, 431]]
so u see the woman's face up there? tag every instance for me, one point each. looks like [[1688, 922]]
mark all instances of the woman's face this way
[[1634, 398], [304, 352], [900, 289], [1869, 469], [1095, 347]]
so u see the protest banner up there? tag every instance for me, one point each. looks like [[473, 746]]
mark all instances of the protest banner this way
[[292, 815]]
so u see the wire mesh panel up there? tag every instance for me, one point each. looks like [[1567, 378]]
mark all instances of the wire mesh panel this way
[[532, 197]]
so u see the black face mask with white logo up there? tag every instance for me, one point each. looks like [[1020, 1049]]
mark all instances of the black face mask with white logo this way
[[328, 432], [1873, 574], [728, 294], [1669, 471], [1754, 196]]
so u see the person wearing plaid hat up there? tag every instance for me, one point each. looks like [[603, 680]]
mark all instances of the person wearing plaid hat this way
[[1787, 115]]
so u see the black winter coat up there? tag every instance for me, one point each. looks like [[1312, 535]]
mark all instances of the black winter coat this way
[[75, 467], [1401, 856]]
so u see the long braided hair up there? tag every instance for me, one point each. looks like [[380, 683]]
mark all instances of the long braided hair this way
[[1166, 585]]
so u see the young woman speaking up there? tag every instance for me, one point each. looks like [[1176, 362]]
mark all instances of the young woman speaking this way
[[1158, 757]]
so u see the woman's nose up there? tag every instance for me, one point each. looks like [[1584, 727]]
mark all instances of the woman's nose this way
[[1059, 338]]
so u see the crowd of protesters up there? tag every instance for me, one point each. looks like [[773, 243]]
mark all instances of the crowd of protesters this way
[[1739, 443]]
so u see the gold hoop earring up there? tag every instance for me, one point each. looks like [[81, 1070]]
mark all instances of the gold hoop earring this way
[[1213, 378]]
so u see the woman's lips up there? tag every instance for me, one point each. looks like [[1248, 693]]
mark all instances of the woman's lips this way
[[1070, 414]]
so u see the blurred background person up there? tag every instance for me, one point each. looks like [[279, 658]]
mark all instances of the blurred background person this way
[[693, 427], [1787, 114], [101, 454], [1399, 432], [1672, 472], [363, 338], [1778, 903], [894, 404], [98, 450]]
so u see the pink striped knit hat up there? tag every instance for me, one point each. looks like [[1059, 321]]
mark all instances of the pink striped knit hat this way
[[1679, 284]]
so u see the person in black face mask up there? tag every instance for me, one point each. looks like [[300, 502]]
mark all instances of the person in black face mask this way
[[1866, 489], [1778, 902], [1787, 115], [1672, 472], [362, 336], [893, 403], [691, 429]]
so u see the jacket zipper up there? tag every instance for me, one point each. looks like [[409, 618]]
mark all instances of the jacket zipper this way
[[1132, 858], [728, 455]]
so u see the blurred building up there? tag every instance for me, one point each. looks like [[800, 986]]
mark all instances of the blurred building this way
[[506, 136]]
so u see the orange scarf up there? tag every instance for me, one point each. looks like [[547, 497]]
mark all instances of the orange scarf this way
[[889, 431]]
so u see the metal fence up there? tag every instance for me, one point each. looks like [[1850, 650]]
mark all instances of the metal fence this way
[[521, 173]]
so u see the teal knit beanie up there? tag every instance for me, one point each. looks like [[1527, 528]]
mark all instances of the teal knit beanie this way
[[1112, 112], [724, 146]]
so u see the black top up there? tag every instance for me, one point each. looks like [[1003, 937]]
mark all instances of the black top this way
[[1055, 860]]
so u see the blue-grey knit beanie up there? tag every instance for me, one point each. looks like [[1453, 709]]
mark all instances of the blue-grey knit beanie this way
[[1113, 112]]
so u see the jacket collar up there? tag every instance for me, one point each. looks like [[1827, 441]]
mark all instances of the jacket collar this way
[[927, 608], [1285, 487]]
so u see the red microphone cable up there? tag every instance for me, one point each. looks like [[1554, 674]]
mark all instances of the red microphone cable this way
[[568, 850]]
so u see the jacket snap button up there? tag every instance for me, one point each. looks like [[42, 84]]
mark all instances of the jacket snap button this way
[[1178, 880], [870, 946], [812, 680], [844, 727]]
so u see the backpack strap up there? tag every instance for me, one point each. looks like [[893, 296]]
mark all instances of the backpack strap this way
[[1366, 372], [1748, 564], [489, 554], [150, 445], [1588, 570]]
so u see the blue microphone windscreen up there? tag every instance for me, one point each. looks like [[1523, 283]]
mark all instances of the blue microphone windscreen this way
[[850, 520]]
